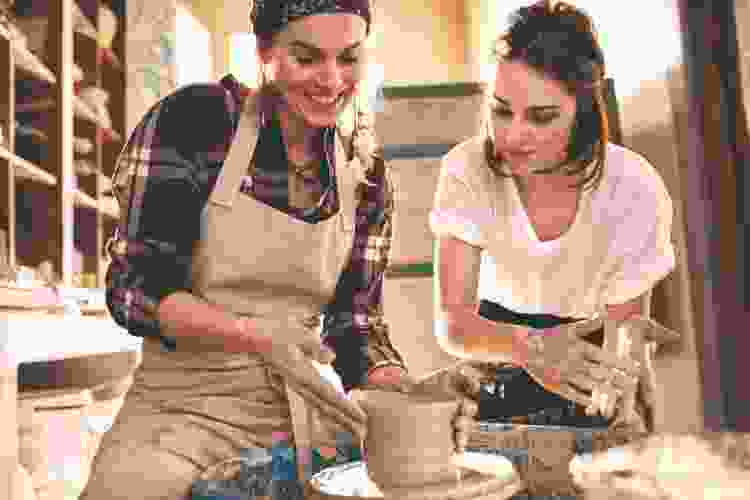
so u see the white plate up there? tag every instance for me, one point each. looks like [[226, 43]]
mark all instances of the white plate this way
[[352, 480]]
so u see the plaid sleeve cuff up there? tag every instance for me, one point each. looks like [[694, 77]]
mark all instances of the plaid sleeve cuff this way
[[359, 353]]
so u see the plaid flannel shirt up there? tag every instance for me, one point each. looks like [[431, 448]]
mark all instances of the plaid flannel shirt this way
[[163, 179]]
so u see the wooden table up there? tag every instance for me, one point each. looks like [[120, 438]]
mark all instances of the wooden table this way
[[33, 336]]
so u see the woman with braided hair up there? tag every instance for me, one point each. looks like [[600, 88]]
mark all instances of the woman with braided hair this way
[[248, 216]]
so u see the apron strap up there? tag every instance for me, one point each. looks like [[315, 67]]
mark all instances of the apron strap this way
[[346, 183], [302, 432], [239, 156]]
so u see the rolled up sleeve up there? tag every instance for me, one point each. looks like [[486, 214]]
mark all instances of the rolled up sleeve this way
[[644, 246], [354, 325], [162, 179]]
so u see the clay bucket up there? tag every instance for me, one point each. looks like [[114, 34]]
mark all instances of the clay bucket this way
[[409, 439]]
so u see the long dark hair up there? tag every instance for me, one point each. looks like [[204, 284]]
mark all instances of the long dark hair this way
[[560, 41]]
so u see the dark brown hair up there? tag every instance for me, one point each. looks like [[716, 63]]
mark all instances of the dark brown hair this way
[[267, 20], [559, 41]]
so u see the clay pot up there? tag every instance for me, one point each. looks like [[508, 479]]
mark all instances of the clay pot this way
[[409, 439]]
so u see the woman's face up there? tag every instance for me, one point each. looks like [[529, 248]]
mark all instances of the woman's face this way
[[317, 63], [532, 118]]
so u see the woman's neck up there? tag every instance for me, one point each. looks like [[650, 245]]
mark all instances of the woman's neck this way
[[299, 137], [546, 185]]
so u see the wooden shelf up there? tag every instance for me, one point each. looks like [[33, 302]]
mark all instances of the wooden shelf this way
[[28, 298], [26, 62], [36, 70], [40, 93], [27, 170], [78, 336], [81, 146], [38, 120], [53, 224], [107, 205], [80, 109]]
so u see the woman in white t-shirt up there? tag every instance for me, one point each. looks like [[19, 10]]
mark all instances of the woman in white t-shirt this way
[[563, 224]]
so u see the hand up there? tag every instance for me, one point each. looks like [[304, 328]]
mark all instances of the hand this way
[[638, 338], [637, 408], [646, 396], [387, 376], [685, 467], [292, 357], [564, 363], [312, 347]]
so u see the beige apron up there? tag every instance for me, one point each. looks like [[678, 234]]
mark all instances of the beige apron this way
[[190, 409]]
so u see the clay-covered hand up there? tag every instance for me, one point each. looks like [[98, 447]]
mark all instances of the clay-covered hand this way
[[388, 375], [636, 408], [312, 347], [685, 467], [563, 362], [637, 338], [295, 362]]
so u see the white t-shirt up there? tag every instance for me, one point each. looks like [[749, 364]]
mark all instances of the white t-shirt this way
[[618, 247]]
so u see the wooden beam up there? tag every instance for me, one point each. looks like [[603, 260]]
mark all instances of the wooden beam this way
[[7, 165], [60, 49], [89, 221], [115, 82], [717, 139]]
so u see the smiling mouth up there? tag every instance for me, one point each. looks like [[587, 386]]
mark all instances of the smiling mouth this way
[[326, 101]]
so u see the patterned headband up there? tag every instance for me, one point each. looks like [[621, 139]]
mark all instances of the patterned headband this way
[[271, 16]]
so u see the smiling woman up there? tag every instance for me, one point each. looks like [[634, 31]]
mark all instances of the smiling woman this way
[[240, 232], [317, 74]]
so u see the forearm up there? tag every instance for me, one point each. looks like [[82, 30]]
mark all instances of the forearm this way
[[182, 314], [361, 350], [459, 329], [463, 333]]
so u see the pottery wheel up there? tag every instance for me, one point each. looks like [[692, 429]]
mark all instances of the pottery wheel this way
[[485, 476]]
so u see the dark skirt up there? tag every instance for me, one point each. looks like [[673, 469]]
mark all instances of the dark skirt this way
[[515, 396]]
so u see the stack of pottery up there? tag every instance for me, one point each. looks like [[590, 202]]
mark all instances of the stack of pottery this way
[[410, 454]]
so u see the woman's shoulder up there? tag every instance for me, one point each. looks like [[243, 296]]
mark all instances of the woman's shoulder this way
[[220, 93], [630, 179], [209, 106], [467, 161], [468, 149]]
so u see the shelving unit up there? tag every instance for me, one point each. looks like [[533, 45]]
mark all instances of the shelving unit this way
[[45, 99], [49, 206]]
